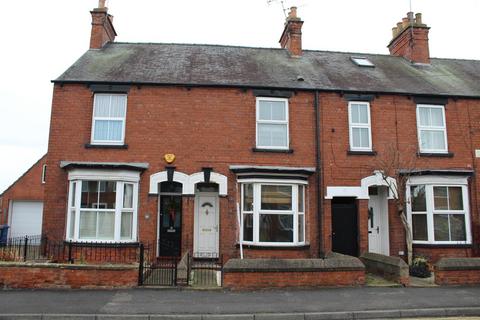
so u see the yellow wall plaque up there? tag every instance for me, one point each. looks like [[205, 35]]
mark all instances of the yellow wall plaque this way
[[169, 158]]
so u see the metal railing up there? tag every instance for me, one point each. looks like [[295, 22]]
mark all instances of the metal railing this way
[[40, 248]]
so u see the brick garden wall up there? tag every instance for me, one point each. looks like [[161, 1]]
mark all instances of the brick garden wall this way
[[457, 271], [457, 277], [27, 275], [335, 270], [259, 280]]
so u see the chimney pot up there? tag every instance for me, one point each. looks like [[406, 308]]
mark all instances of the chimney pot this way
[[394, 32], [418, 18], [410, 16], [293, 13], [405, 22], [101, 4]]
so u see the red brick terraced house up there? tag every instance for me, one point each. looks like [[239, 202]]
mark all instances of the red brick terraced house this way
[[265, 153]]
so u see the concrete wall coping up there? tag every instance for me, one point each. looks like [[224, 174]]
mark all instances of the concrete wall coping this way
[[446, 264], [294, 265], [111, 267], [393, 261]]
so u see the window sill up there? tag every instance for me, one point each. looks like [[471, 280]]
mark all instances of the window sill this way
[[272, 150], [437, 155], [303, 246], [100, 243], [361, 153], [106, 146], [441, 246]]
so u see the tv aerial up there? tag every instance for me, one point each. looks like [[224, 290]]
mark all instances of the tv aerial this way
[[282, 3]]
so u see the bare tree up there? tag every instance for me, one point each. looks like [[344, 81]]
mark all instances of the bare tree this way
[[396, 168]]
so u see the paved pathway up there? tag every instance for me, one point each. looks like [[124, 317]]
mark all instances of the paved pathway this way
[[346, 303]]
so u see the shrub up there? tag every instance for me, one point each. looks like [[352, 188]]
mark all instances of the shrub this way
[[420, 268], [9, 255]]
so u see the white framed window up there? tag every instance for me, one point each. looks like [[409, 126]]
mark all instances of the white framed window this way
[[359, 126], [432, 129], [108, 121], [439, 213], [103, 209], [272, 123], [273, 214]]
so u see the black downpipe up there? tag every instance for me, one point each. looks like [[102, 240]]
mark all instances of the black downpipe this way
[[321, 251]]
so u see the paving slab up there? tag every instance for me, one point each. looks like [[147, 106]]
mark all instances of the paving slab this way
[[280, 316], [377, 314], [69, 317], [176, 317], [229, 317], [329, 316], [20, 317]]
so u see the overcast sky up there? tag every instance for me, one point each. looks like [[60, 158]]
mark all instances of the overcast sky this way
[[41, 39]]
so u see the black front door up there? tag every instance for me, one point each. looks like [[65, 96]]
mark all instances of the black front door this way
[[170, 225], [344, 226]]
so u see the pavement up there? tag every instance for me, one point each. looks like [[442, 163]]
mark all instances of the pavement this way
[[185, 304]]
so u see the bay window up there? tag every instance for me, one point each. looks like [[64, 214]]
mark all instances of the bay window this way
[[102, 210], [439, 213], [273, 214]]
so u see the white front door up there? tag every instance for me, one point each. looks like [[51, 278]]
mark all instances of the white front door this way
[[378, 237], [206, 225]]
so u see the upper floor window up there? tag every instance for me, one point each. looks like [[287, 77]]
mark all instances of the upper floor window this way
[[432, 130], [439, 213], [273, 214], [108, 124], [272, 123], [359, 126]]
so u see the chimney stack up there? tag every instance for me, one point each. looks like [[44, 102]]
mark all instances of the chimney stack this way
[[410, 39], [102, 26], [292, 34]]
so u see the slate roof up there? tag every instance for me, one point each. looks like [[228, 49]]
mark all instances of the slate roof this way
[[215, 65]]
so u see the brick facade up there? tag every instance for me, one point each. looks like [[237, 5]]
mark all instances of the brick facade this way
[[28, 187], [393, 122], [157, 122]]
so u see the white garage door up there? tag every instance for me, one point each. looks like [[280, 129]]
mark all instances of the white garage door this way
[[26, 218]]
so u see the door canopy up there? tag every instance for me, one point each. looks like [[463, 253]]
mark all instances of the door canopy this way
[[189, 181], [361, 192]]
